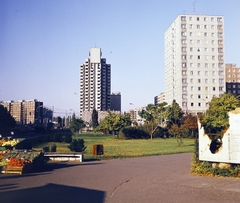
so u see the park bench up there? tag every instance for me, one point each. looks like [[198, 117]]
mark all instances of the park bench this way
[[66, 156]]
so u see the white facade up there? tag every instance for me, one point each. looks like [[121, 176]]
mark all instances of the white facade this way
[[159, 99], [194, 61], [95, 86]]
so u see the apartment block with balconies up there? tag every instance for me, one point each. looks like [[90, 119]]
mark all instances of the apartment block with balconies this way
[[95, 83]]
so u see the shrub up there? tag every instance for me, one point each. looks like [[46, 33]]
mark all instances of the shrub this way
[[65, 136], [161, 133], [77, 145], [54, 148], [133, 133], [46, 149]]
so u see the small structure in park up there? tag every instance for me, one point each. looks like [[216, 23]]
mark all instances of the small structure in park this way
[[221, 148]]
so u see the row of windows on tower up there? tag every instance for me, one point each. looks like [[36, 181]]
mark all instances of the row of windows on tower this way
[[205, 57], [192, 96], [192, 88], [220, 81], [234, 91], [191, 26], [184, 104], [205, 49], [206, 73], [199, 34], [199, 65], [204, 18], [197, 41]]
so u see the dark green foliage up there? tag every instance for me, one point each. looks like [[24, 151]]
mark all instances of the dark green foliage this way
[[64, 136], [133, 133], [53, 148], [216, 118], [77, 145], [46, 149], [6, 120], [114, 122], [76, 124], [94, 118], [174, 114], [161, 133]]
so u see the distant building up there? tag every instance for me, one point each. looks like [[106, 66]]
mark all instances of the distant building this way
[[28, 111], [232, 75], [95, 83], [194, 61], [115, 101], [134, 115], [87, 115], [159, 99]]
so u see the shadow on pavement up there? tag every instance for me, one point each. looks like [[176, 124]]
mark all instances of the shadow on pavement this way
[[47, 169], [51, 193]]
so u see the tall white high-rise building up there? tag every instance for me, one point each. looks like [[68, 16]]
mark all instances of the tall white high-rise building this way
[[95, 83], [194, 61]]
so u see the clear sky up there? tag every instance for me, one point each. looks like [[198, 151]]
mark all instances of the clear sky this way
[[43, 43]]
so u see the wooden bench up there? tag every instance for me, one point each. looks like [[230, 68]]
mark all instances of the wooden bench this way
[[67, 156]]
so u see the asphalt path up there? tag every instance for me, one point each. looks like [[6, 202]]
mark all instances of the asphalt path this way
[[164, 179]]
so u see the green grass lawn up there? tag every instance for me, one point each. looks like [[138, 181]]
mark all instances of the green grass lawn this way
[[117, 148]]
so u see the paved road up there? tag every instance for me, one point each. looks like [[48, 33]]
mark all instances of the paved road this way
[[164, 179]]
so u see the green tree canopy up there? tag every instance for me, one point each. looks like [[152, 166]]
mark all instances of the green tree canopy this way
[[174, 114], [154, 116], [216, 118], [76, 124], [114, 122]]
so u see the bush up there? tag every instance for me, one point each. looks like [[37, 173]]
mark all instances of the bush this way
[[77, 145], [46, 149], [161, 133], [132, 133], [54, 148], [51, 148], [60, 137]]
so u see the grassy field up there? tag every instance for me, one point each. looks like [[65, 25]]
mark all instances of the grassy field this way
[[117, 148]]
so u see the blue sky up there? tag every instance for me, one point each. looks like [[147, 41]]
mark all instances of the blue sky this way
[[43, 42]]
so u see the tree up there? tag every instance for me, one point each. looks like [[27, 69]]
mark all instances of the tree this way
[[6, 120], [176, 132], [77, 145], [190, 124], [154, 116], [150, 116], [161, 113], [76, 124], [174, 114], [94, 118], [114, 122], [216, 118]]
